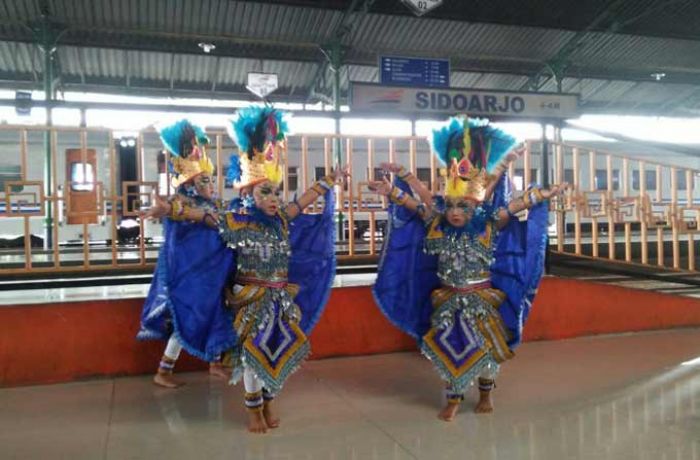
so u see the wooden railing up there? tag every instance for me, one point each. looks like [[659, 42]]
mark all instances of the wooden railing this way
[[626, 208]]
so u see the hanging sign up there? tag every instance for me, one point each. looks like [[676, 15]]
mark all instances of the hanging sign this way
[[261, 84], [450, 101], [23, 102], [420, 7], [406, 71]]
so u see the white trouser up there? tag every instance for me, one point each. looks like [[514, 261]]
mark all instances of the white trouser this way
[[488, 373], [251, 383], [172, 349]]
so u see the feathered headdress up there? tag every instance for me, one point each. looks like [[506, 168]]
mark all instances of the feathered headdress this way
[[259, 133], [470, 150], [187, 156]]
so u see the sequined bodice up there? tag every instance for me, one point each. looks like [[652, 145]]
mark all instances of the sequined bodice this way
[[262, 251], [211, 206], [462, 259]]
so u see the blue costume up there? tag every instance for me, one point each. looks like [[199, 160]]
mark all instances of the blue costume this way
[[250, 290], [284, 264], [463, 292], [186, 297], [185, 303]]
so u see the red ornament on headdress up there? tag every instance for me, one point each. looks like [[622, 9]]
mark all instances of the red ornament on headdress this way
[[463, 168], [271, 137]]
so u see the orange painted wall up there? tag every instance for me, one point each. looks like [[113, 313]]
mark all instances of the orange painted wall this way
[[353, 325], [69, 341], [566, 308]]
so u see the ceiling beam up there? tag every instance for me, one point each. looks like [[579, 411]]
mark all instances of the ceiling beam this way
[[172, 71], [79, 53], [625, 92], [245, 47], [578, 14], [555, 66], [127, 68], [150, 88], [186, 44], [146, 87], [686, 100], [167, 107], [214, 77], [293, 52], [339, 42]]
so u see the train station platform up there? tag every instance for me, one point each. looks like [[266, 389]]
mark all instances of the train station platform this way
[[581, 298], [625, 396]]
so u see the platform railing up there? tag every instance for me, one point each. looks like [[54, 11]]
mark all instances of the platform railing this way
[[624, 208]]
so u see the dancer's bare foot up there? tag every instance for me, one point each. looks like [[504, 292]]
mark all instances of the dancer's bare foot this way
[[485, 405], [269, 413], [166, 380], [256, 422], [219, 370], [449, 412]]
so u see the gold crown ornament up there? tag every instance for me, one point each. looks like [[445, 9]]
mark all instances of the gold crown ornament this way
[[187, 156], [260, 134], [470, 151]]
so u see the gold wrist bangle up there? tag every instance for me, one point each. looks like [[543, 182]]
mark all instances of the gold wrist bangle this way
[[318, 189], [184, 212], [322, 185], [176, 209], [538, 194], [528, 199], [403, 173]]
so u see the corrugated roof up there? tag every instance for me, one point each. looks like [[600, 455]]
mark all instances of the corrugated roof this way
[[153, 44], [19, 57]]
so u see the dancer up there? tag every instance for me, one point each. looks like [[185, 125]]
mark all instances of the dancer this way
[[459, 273], [179, 306], [284, 262]]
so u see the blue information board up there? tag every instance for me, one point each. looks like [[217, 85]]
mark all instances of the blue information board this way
[[406, 71]]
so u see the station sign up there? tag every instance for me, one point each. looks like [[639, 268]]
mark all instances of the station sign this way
[[262, 84], [407, 71], [450, 101], [23, 102]]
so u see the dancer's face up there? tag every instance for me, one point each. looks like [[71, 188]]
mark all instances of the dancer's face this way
[[459, 211], [267, 197], [204, 184]]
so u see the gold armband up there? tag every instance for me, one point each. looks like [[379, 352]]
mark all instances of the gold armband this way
[[532, 197], [177, 210], [398, 196], [322, 186], [403, 173]]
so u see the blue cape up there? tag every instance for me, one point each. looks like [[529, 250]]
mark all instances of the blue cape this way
[[407, 275], [194, 265], [186, 297], [312, 265]]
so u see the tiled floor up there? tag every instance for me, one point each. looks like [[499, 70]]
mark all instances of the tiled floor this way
[[633, 396]]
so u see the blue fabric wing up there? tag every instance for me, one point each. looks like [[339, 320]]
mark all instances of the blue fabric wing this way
[[312, 264], [519, 262], [406, 274], [186, 297]]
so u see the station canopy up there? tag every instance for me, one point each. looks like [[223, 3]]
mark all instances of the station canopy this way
[[620, 56]]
